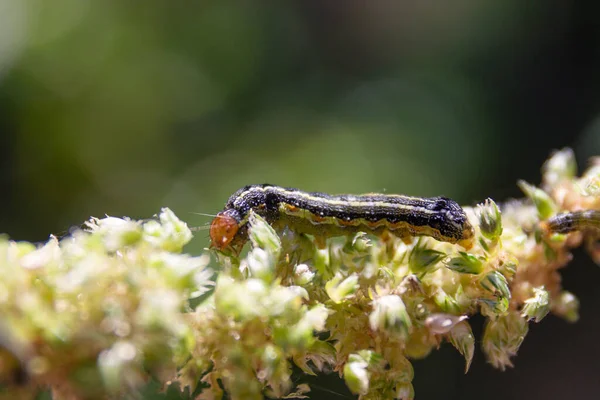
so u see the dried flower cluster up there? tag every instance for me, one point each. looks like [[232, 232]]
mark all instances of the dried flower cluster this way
[[103, 310]]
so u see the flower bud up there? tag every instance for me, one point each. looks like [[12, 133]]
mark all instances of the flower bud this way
[[390, 315], [261, 264], [356, 376], [300, 335], [170, 233], [405, 391], [590, 181], [567, 306], [48, 255], [423, 260], [360, 242], [113, 364], [338, 288], [496, 283], [542, 201], [502, 338], [465, 263], [263, 235], [356, 373], [461, 337], [303, 274], [240, 300], [561, 166], [490, 219], [117, 233], [445, 302], [494, 307], [322, 262], [538, 306]]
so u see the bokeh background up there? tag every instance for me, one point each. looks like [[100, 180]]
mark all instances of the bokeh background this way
[[122, 107]]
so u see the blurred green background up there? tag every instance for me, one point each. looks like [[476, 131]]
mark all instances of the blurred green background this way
[[121, 107]]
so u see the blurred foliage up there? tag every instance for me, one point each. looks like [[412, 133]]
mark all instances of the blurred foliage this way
[[118, 107], [111, 107]]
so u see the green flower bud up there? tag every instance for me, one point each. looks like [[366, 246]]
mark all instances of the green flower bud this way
[[283, 301], [263, 235], [113, 364], [560, 166], [322, 260], [590, 181], [170, 233], [46, 256], [316, 317], [183, 271], [461, 337], [240, 300], [271, 359], [543, 202], [405, 391], [356, 370], [423, 260], [490, 219], [503, 337], [303, 274], [338, 288], [389, 315], [445, 302], [154, 311], [300, 335], [496, 283], [360, 243], [12, 252], [566, 305], [356, 375], [465, 263], [117, 233], [538, 306], [261, 264], [494, 307], [508, 267]]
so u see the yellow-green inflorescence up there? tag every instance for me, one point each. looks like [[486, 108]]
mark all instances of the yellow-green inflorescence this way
[[106, 309], [100, 311]]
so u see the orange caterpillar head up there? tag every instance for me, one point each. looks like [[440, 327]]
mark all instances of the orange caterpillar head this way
[[223, 229]]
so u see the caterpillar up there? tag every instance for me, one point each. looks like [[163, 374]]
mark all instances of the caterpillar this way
[[574, 221], [324, 215]]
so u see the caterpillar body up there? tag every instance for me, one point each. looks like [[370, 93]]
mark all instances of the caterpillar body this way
[[324, 215], [574, 221]]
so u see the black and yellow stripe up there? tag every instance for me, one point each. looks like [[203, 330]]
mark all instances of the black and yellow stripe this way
[[332, 215]]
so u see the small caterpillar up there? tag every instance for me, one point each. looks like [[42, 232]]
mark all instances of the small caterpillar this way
[[325, 215], [574, 221]]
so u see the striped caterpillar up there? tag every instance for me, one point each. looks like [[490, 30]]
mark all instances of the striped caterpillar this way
[[574, 221], [324, 215]]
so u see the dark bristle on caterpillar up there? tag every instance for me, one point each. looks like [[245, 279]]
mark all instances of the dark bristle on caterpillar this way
[[325, 215], [574, 221]]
